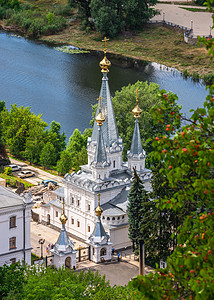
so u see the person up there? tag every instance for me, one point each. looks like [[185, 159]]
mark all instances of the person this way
[[112, 251], [118, 256]]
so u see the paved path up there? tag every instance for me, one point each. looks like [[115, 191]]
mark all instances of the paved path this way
[[175, 14], [40, 174]]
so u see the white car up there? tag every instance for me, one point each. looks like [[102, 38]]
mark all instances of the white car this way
[[15, 168], [24, 174]]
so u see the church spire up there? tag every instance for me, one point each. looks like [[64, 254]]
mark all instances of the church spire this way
[[136, 147], [136, 156], [110, 131]]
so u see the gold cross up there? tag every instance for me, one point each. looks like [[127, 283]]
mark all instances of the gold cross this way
[[137, 95], [105, 40], [98, 199], [99, 99]]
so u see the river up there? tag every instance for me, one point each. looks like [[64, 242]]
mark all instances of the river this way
[[62, 86]]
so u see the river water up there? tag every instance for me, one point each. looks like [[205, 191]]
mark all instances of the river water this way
[[62, 86]]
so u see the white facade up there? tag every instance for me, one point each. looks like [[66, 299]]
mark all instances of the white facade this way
[[15, 216], [106, 174]]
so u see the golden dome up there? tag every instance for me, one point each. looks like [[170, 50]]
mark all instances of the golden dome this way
[[99, 118], [99, 211], [137, 111], [63, 218], [105, 64]]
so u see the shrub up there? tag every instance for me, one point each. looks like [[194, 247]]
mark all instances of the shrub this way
[[63, 10], [8, 171]]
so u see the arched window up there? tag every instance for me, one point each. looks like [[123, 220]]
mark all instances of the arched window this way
[[108, 218], [68, 262], [103, 218], [93, 251], [118, 218], [114, 164], [122, 217], [113, 218], [103, 251]]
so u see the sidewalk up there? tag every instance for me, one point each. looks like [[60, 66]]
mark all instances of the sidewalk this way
[[201, 21]]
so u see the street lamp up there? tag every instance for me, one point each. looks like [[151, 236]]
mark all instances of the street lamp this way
[[210, 31], [191, 24], [41, 242], [163, 16]]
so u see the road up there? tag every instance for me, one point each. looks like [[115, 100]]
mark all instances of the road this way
[[39, 174], [201, 21]]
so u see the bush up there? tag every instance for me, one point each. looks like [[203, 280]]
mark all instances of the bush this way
[[63, 10], [209, 79], [8, 171]]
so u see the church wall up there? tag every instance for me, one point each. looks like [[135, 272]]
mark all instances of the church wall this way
[[119, 237]]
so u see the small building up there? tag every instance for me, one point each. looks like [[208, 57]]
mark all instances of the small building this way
[[63, 251], [15, 217]]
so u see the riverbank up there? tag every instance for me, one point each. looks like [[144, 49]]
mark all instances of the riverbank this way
[[155, 44]]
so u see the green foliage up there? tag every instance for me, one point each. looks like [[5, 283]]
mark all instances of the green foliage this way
[[36, 282], [136, 209], [64, 164], [12, 280], [111, 17], [18, 125], [209, 79], [15, 4], [8, 171], [125, 100], [188, 160], [63, 10], [34, 22], [48, 155]]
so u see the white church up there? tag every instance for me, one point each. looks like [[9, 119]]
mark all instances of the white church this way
[[105, 174]]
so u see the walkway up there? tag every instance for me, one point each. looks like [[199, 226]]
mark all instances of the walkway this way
[[201, 21]]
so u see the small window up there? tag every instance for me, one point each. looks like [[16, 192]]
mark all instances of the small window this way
[[78, 223], [113, 218], [56, 214], [72, 221], [108, 218], [122, 217], [114, 164], [72, 200], [12, 243], [12, 222], [103, 218], [89, 207], [78, 203], [13, 260], [93, 251], [89, 229], [118, 218]]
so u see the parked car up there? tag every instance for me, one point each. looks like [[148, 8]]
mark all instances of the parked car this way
[[45, 182], [15, 168], [24, 174]]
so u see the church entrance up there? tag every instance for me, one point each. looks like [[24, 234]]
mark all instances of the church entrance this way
[[68, 262], [48, 219]]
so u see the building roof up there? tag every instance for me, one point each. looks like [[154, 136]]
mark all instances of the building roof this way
[[100, 158], [118, 205], [110, 131], [136, 147], [60, 192], [63, 244], [9, 198], [99, 236]]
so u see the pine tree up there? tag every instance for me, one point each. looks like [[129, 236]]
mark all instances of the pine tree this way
[[137, 196]]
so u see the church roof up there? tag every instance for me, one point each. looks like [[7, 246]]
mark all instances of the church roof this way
[[100, 157], [136, 147], [63, 244], [110, 131], [118, 205], [99, 236]]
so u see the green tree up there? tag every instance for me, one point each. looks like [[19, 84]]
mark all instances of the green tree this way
[[125, 100], [56, 138], [34, 144], [48, 155], [17, 125], [136, 209], [64, 164], [188, 158], [76, 142], [3, 153]]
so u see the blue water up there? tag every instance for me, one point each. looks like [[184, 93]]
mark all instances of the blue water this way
[[62, 86]]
